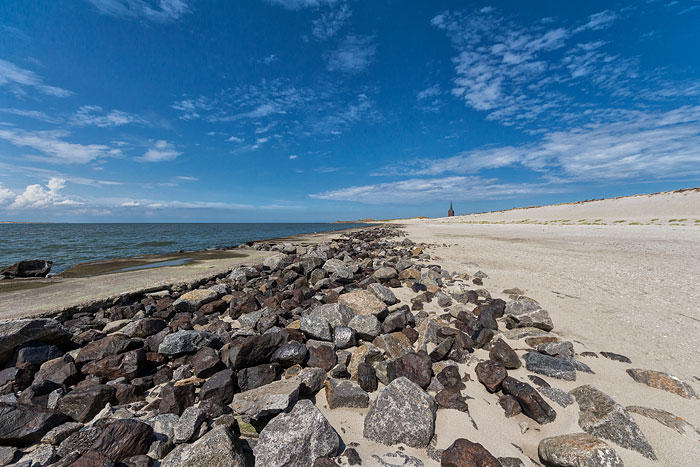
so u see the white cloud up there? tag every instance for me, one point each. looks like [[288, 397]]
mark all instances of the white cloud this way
[[421, 190], [93, 115], [37, 196], [159, 11], [130, 204], [353, 55], [35, 114], [272, 58], [191, 108], [329, 24], [5, 194], [235, 139], [300, 4], [598, 21], [293, 157], [161, 151], [55, 149], [18, 78]]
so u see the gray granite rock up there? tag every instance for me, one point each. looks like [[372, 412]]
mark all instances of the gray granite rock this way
[[218, 448], [550, 366], [189, 423], [184, 342], [266, 400], [577, 449], [345, 393]]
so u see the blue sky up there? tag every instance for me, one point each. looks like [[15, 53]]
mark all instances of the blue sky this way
[[318, 110]]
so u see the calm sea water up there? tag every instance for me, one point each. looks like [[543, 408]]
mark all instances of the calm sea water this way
[[68, 244]]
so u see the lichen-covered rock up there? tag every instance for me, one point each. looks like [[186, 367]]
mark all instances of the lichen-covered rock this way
[[663, 381], [218, 448], [577, 450], [296, 438], [401, 413], [601, 416]]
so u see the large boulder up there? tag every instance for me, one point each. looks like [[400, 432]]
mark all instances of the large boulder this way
[[363, 302], [127, 365], [218, 448], [82, 404], [464, 453], [27, 268], [22, 425], [338, 270], [663, 381], [577, 449], [530, 400], [336, 314], [249, 351], [266, 400], [601, 416], [110, 345], [296, 438], [526, 312], [184, 342], [191, 301], [401, 413], [122, 439], [22, 331], [383, 293]]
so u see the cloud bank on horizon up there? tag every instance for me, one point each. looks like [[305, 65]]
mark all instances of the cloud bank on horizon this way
[[324, 109]]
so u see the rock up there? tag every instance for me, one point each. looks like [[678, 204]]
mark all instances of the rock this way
[[443, 299], [7, 454], [311, 381], [22, 425], [218, 448], [275, 262], [316, 327], [144, 327], [401, 413], [491, 374], [92, 459], [557, 349], [128, 365], [42, 455], [451, 398], [664, 381], [183, 342], [363, 302], [344, 393], [311, 262], [504, 353], [577, 449], [550, 366], [106, 347], [367, 377], [338, 270], [82, 404], [36, 354], [527, 313], [124, 438], [449, 376], [563, 398], [297, 438], [17, 332], [601, 416], [663, 417], [256, 376], [206, 362], [530, 401], [441, 351], [464, 453], [615, 356], [385, 274], [175, 399], [137, 461], [266, 400], [61, 432], [395, 345], [343, 337], [510, 405], [366, 327], [249, 351], [417, 367], [219, 388], [290, 354], [383, 293], [191, 301], [321, 355], [27, 268], [189, 423], [61, 370]]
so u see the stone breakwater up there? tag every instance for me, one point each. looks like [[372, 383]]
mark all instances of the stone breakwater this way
[[231, 371]]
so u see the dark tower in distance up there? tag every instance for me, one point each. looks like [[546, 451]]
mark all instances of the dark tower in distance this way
[[451, 212]]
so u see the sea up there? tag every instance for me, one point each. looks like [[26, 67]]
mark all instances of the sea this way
[[69, 244]]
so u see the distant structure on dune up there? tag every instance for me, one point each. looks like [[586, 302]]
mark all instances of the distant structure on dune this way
[[451, 211]]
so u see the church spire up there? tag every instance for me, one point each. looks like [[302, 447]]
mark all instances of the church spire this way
[[451, 211]]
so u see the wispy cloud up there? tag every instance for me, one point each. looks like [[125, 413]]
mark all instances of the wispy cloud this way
[[328, 24], [35, 114], [93, 115], [17, 79], [300, 4], [353, 55], [54, 148], [159, 11], [160, 152]]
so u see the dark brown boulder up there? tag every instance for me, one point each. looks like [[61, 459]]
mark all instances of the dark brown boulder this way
[[451, 398], [464, 453], [321, 355], [22, 425], [219, 388], [27, 268], [92, 459], [491, 374], [105, 347], [249, 351], [510, 405], [128, 365], [122, 439], [256, 376], [530, 400], [61, 370], [417, 367], [206, 362], [83, 404], [504, 353], [175, 399]]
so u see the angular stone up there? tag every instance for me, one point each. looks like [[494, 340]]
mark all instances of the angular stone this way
[[363, 302], [441, 351], [183, 342], [22, 425], [127, 365], [577, 449], [7, 455], [316, 327], [290, 354], [256, 376], [665, 418], [504, 353], [266, 400], [311, 381], [275, 262], [206, 362], [219, 388], [663, 381], [189, 423], [144, 327], [557, 349], [366, 327], [344, 393], [451, 398], [343, 337], [563, 398], [311, 262], [218, 448], [386, 273], [191, 301], [615, 356], [82, 404], [527, 313], [491, 374], [530, 401], [105, 347], [36, 353], [510, 405], [383, 293], [401, 413], [321, 355], [338, 270], [463, 453], [417, 367], [27, 268], [122, 439], [42, 455], [601, 416], [61, 370], [298, 438], [395, 345], [249, 351], [17, 332], [61, 432], [550, 366], [91, 459], [175, 399], [367, 377], [449, 376]]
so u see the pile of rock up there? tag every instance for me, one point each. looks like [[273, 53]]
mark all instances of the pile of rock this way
[[225, 373]]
